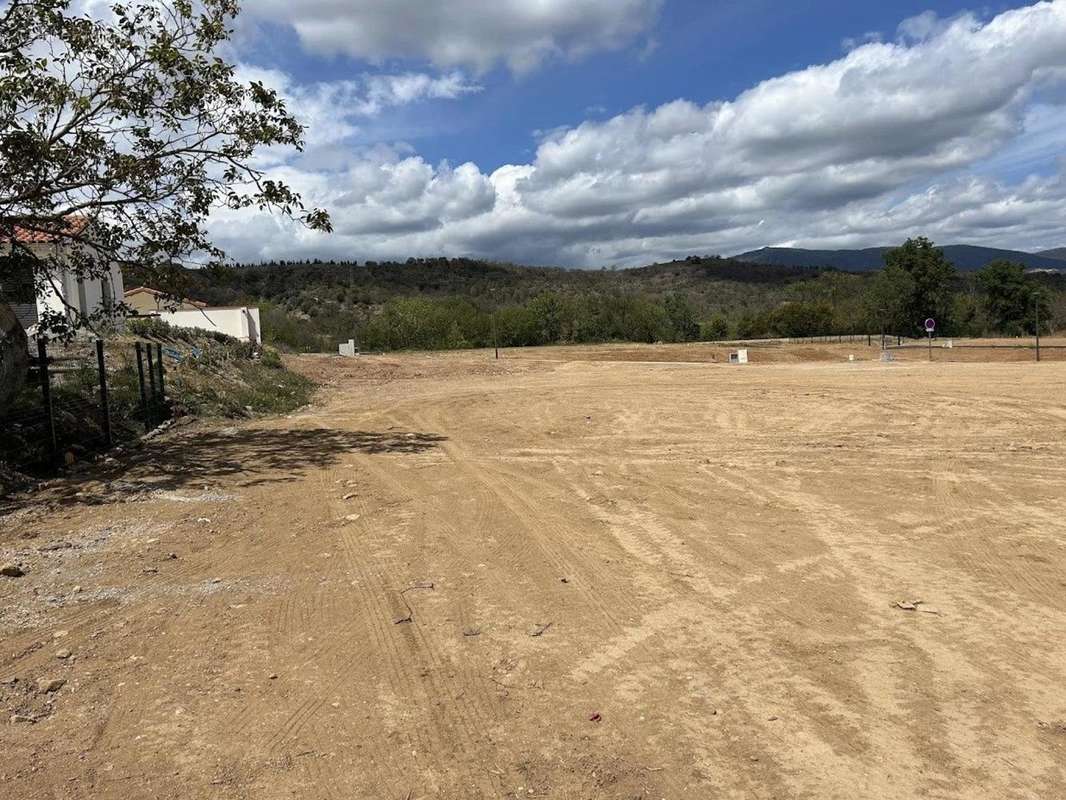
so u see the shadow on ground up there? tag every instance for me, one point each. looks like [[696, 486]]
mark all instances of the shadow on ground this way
[[266, 456], [191, 458]]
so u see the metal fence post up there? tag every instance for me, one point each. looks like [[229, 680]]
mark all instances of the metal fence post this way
[[105, 407], [151, 377], [144, 395], [46, 395], [162, 385], [1037, 304]]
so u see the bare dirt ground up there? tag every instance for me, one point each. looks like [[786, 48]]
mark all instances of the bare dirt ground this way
[[565, 574]]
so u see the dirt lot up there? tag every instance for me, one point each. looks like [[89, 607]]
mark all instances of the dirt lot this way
[[559, 575]]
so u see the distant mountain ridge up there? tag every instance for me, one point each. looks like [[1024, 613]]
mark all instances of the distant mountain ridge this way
[[965, 257]]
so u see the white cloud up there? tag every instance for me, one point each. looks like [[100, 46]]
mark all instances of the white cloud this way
[[851, 42], [470, 33], [893, 139], [334, 111]]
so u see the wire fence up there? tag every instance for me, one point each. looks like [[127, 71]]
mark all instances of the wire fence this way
[[869, 339], [83, 398]]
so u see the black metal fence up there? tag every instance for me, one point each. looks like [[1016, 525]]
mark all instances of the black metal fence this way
[[83, 398]]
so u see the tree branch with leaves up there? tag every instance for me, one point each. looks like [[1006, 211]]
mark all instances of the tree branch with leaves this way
[[120, 137]]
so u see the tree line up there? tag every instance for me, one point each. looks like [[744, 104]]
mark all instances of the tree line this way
[[459, 303]]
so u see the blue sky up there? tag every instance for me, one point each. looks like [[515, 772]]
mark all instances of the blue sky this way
[[591, 132], [703, 51]]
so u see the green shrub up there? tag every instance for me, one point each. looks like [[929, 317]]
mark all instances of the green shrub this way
[[271, 359], [716, 330]]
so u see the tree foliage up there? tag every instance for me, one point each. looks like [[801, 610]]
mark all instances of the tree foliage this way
[[1010, 299], [439, 302], [133, 124], [916, 284]]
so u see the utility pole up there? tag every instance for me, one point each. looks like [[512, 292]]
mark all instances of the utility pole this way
[[495, 341]]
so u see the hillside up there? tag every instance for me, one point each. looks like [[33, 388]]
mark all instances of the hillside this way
[[964, 256], [316, 288], [443, 303], [1059, 253]]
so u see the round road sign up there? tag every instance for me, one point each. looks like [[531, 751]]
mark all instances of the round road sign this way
[[930, 325]]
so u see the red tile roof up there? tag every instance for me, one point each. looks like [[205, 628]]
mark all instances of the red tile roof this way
[[46, 233]]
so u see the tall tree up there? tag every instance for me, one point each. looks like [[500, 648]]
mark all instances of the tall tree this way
[[1010, 299], [121, 134], [916, 284]]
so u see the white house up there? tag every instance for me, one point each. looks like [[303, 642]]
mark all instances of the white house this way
[[64, 293], [240, 322]]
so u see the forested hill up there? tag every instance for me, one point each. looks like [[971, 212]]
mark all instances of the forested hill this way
[[965, 257], [490, 284]]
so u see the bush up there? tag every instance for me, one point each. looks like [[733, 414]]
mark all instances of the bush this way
[[796, 320], [715, 330], [271, 359]]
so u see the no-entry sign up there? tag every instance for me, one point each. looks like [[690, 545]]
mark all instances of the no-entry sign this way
[[930, 325]]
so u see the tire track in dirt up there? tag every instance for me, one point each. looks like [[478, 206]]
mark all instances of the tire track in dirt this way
[[547, 541], [955, 740], [407, 649]]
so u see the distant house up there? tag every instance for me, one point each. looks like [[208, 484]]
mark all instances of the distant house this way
[[240, 322], [64, 293], [144, 301]]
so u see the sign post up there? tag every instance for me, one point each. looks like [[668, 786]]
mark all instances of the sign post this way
[[930, 326]]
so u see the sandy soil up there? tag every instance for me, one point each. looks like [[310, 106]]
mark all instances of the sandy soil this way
[[460, 578]]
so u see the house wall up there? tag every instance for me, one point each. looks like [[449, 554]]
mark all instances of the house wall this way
[[65, 287], [241, 323]]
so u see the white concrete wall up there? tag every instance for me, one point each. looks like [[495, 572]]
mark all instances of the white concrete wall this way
[[240, 323]]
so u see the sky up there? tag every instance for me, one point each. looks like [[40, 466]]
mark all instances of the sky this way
[[593, 133]]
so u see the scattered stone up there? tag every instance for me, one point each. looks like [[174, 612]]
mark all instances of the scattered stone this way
[[471, 631], [349, 496], [19, 718], [916, 605], [273, 676], [216, 581], [151, 571], [53, 546], [63, 654], [76, 590], [564, 580], [351, 518], [61, 634], [539, 630], [172, 556], [595, 717], [11, 570], [9, 681], [50, 685]]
